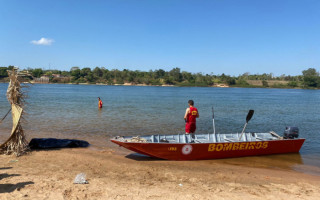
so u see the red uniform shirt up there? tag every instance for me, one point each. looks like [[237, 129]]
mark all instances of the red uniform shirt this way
[[192, 115], [191, 120]]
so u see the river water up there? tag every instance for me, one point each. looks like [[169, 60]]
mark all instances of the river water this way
[[71, 111]]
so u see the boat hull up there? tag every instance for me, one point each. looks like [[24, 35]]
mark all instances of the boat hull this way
[[205, 151]]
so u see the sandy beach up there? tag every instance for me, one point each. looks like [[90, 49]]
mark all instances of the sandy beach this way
[[119, 174]]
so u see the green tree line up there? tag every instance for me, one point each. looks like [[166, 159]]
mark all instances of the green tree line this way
[[308, 79]]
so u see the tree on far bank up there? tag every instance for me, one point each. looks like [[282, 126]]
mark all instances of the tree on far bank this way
[[311, 78], [3, 72], [10, 67], [37, 72], [76, 74], [293, 84], [265, 83], [175, 74], [97, 72]]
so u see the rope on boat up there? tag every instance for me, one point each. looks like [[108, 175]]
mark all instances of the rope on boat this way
[[5, 116], [275, 134]]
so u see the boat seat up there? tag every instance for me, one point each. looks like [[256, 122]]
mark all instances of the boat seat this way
[[230, 140], [169, 138], [260, 138], [201, 138]]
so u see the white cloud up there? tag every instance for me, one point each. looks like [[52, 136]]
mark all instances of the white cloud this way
[[43, 41]]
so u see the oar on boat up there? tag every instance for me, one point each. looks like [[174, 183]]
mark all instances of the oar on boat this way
[[249, 116]]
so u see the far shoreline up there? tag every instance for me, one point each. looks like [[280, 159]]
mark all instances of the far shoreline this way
[[167, 85]]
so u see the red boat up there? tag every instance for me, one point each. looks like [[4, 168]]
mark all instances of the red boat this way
[[213, 146], [209, 146]]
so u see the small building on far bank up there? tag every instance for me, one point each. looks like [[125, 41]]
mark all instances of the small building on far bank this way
[[57, 76], [42, 79]]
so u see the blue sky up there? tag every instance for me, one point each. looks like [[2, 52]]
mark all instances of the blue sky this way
[[218, 36]]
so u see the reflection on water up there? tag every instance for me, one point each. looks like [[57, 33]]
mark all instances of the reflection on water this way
[[293, 161], [71, 111], [282, 161]]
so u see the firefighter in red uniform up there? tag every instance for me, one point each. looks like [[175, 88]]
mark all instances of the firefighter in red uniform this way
[[190, 117], [100, 103]]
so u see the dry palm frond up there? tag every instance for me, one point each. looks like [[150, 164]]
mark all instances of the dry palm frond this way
[[16, 143]]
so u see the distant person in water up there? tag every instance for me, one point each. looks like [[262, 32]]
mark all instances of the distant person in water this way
[[190, 117], [100, 103]]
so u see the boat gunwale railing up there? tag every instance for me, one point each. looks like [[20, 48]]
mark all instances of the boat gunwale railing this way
[[203, 139], [211, 142]]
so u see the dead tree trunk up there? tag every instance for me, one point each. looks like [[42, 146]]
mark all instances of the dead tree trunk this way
[[16, 143]]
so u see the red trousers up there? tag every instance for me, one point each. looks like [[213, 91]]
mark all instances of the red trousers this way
[[190, 127]]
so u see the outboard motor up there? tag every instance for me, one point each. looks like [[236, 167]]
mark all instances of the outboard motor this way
[[291, 132]]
